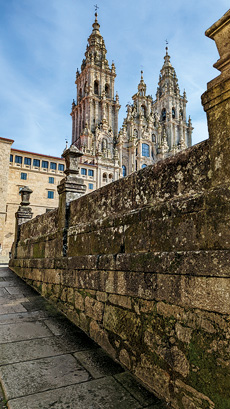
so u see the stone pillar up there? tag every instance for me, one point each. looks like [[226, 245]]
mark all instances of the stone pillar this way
[[23, 215], [72, 186], [216, 103]]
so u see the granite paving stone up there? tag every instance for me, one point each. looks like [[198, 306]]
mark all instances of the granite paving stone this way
[[22, 317], [25, 378], [98, 363], [22, 331], [104, 393], [136, 389], [11, 308], [9, 299], [35, 348]]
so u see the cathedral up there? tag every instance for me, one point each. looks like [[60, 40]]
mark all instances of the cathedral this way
[[151, 131]]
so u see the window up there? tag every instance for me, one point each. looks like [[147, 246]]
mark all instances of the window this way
[[173, 113], [96, 87], [36, 162], [50, 194], [143, 110], [51, 179], [45, 164], [61, 167], [53, 165], [181, 113], [18, 159], [123, 170], [153, 137], [107, 90], [83, 171], [163, 114], [11, 158], [145, 149], [90, 186], [27, 161], [104, 176], [24, 176], [90, 172], [143, 166]]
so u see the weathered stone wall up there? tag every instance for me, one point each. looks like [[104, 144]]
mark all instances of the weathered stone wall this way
[[145, 270]]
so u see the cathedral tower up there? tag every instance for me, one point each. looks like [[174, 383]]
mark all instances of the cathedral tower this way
[[95, 113], [170, 111], [154, 130]]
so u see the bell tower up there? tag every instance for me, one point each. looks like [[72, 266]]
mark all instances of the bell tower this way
[[170, 110], [95, 112]]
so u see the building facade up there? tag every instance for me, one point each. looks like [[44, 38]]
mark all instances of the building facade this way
[[151, 131]]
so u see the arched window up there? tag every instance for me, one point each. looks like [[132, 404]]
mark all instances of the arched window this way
[[123, 170], [145, 149], [107, 90], [163, 114], [181, 113], [110, 177], [173, 113], [104, 177], [96, 87], [144, 165], [143, 109]]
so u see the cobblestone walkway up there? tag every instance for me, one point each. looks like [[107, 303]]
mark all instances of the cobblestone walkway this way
[[46, 362]]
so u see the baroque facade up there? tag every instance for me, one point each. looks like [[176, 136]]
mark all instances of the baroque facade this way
[[151, 131]]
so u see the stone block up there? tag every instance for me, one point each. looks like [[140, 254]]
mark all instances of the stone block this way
[[94, 309], [100, 336], [120, 300], [79, 301], [125, 324]]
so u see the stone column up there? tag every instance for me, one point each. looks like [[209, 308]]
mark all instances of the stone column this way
[[23, 215], [216, 103]]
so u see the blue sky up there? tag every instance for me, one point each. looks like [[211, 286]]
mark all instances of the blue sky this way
[[42, 43]]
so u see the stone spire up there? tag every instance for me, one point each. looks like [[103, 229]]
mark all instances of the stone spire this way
[[95, 50], [170, 108], [95, 114], [168, 83], [142, 86]]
